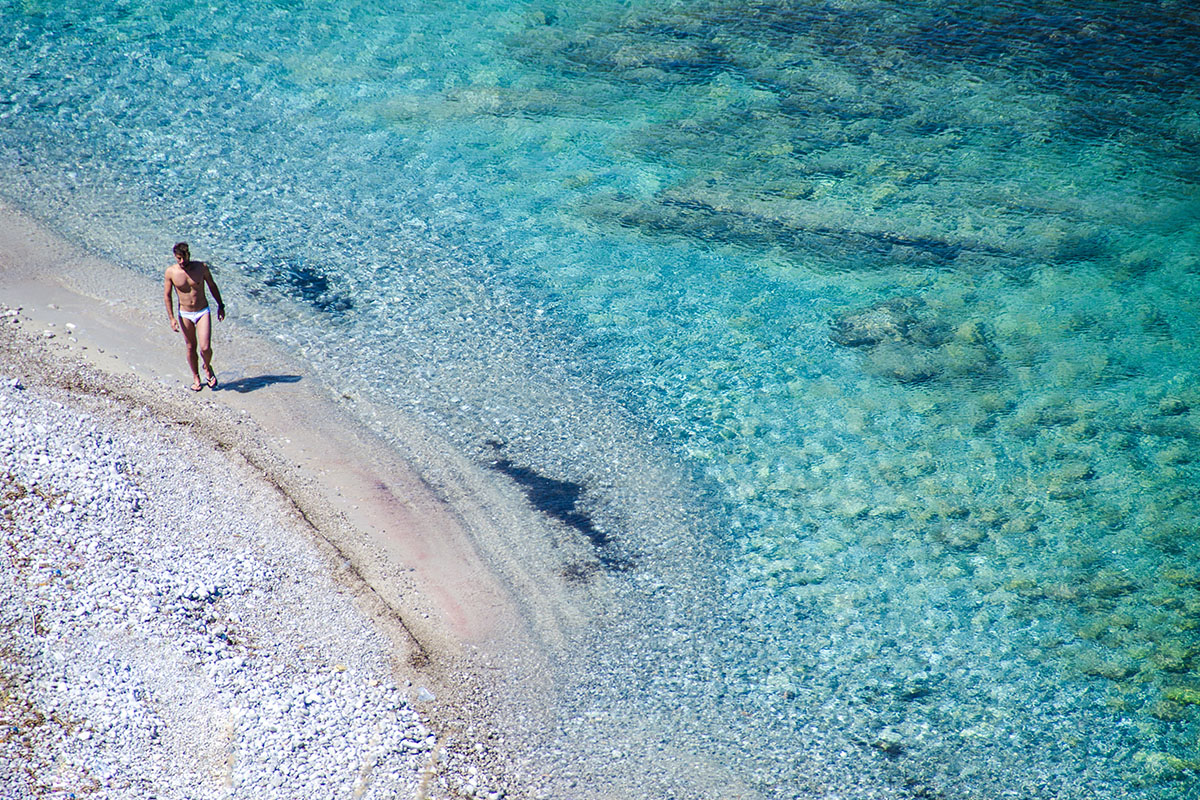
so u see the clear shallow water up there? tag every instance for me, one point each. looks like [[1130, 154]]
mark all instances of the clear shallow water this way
[[911, 290]]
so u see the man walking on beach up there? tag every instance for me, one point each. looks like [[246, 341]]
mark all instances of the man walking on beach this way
[[187, 279]]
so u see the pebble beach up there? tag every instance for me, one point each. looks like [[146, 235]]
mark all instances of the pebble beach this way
[[174, 627]]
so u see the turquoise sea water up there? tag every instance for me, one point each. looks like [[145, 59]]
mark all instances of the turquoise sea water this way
[[908, 291]]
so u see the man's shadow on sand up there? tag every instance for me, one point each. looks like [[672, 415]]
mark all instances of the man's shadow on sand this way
[[245, 385]]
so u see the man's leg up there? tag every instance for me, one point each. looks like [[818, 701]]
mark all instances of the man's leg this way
[[188, 328], [204, 338]]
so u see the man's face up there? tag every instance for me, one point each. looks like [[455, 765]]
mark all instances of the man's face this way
[[181, 258]]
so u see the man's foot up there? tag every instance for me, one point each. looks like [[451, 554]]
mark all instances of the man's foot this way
[[197, 386], [212, 377]]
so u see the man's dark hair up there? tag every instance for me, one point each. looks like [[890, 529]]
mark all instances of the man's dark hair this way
[[181, 249]]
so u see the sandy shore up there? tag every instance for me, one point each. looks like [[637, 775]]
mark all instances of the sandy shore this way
[[84, 340]]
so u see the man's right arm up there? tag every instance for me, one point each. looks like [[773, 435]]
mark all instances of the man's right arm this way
[[169, 287]]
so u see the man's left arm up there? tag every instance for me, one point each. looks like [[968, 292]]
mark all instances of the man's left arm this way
[[212, 285]]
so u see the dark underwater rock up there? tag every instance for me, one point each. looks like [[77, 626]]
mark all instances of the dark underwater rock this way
[[1173, 407], [889, 321], [759, 221], [900, 320], [905, 341]]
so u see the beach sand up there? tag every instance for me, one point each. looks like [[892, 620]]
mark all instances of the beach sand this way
[[95, 339]]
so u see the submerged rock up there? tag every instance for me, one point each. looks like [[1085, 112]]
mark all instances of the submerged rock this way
[[890, 321], [907, 343], [1114, 668], [1111, 583], [961, 537], [1173, 656], [1182, 577], [1172, 407], [890, 741], [903, 364], [1184, 695], [1161, 767]]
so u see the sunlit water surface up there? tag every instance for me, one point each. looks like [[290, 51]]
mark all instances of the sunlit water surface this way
[[909, 290]]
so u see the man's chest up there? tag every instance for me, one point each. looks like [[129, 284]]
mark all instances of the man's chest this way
[[187, 282]]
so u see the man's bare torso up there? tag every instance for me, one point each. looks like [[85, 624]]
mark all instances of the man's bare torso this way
[[188, 282]]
